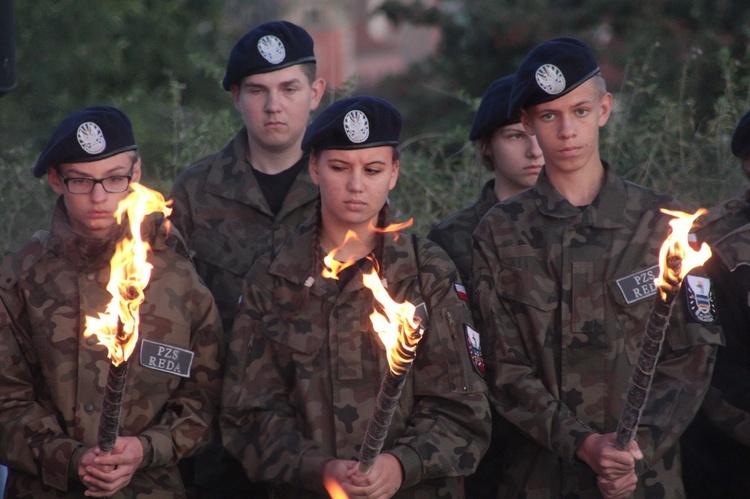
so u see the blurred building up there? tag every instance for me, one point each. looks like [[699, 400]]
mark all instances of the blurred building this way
[[354, 47]]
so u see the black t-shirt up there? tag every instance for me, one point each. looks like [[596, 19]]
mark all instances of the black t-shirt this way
[[276, 186]]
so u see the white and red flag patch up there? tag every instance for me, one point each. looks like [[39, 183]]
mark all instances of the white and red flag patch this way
[[461, 292]]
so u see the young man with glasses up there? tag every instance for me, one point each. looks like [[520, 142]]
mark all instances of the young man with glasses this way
[[53, 378]]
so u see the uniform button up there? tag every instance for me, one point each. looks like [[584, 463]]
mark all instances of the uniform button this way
[[91, 276], [88, 407], [91, 340]]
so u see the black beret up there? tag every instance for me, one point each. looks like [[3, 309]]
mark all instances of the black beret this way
[[493, 110], [354, 123], [741, 137], [269, 47], [86, 135], [551, 70]]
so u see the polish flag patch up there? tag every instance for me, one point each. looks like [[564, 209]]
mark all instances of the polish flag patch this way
[[461, 292]]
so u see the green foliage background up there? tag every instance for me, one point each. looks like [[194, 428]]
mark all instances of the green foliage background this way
[[679, 70]]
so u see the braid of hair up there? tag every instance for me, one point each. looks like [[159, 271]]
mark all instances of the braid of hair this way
[[383, 221], [303, 297]]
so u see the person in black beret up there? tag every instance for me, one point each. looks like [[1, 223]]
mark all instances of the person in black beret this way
[[716, 446], [296, 405], [563, 287], [247, 198], [100, 137], [505, 148], [52, 384]]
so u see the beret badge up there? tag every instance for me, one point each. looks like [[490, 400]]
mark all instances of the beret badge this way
[[272, 49], [550, 79], [91, 138], [357, 126]]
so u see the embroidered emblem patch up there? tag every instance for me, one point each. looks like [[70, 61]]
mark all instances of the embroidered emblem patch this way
[[550, 79], [91, 138], [356, 126], [461, 292], [475, 349], [639, 285], [167, 358], [272, 49], [700, 299]]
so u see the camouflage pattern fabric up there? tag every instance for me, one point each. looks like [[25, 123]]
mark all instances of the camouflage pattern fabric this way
[[300, 388], [221, 211], [53, 379], [563, 294], [454, 233], [716, 446]]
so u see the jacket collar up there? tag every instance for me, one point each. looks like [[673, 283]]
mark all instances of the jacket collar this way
[[293, 260], [231, 177], [605, 211]]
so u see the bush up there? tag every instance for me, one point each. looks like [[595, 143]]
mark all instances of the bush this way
[[653, 140]]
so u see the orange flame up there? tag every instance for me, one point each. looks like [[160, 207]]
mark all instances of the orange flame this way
[[117, 327], [332, 267], [398, 328], [334, 489], [393, 228], [677, 245]]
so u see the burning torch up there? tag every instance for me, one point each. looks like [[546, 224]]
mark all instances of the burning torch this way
[[676, 259], [400, 331], [117, 327]]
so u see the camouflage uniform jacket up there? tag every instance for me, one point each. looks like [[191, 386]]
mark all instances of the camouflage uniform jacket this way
[[224, 216], [727, 230], [717, 443], [454, 233], [300, 389], [563, 295], [53, 379]]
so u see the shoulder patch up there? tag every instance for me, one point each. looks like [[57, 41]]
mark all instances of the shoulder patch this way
[[475, 349], [700, 299], [461, 292]]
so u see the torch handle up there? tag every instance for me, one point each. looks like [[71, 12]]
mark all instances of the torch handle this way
[[643, 373], [377, 427], [109, 421]]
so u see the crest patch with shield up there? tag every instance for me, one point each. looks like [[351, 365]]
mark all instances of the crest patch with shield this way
[[700, 299]]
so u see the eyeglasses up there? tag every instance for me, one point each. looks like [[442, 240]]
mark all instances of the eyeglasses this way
[[85, 185]]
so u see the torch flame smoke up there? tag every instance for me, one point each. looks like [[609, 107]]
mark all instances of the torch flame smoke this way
[[677, 246], [129, 274]]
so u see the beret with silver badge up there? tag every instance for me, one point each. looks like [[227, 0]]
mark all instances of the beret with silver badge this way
[[86, 135], [268, 47], [354, 123], [551, 70]]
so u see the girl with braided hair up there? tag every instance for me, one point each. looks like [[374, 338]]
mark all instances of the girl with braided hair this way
[[305, 365]]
